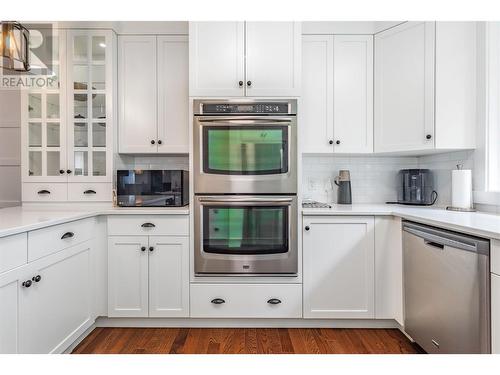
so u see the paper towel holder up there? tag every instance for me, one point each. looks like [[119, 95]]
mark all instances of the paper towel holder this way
[[458, 209]]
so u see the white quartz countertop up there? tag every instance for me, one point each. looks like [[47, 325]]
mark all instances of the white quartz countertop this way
[[475, 223], [20, 219]]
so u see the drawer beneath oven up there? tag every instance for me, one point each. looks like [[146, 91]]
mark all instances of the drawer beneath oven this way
[[246, 300]]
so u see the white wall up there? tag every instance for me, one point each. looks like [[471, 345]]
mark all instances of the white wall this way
[[10, 148]]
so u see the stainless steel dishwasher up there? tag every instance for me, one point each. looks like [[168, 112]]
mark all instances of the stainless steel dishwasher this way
[[446, 290]]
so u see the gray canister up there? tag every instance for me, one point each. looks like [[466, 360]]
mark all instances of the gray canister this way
[[343, 181]]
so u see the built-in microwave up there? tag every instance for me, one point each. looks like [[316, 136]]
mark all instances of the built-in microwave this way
[[245, 235], [245, 146]]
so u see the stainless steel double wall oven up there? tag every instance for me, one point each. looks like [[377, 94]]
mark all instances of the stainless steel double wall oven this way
[[245, 181]]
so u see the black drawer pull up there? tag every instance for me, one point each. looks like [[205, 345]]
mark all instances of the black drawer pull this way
[[67, 235], [43, 192], [148, 225], [37, 278], [218, 301], [274, 301], [90, 191], [27, 283]]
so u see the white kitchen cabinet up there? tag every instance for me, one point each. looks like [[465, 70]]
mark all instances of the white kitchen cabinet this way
[[339, 267], [153, 94], [148, 275], [425, 74], [337, 94], [239, 59], [128, 276], [217, 59], [57, 309], [495, 313], [168, 276]]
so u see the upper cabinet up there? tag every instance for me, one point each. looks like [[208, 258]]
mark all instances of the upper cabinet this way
[[337, 94], [244, 59], [425, 87], [153, 94]]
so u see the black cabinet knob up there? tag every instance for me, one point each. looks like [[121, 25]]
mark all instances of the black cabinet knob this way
[[337, 142], [27, 283], [428, 136], [218, 301], [240, 83], [249, 83], [274, 301], [307, 227], [143, 248], [159, 142], [330, 142], [68, 171], [37, 278], [151, 248], [61, 171], [153, 142]]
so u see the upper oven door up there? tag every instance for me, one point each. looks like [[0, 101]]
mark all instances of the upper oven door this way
[[245, 154]]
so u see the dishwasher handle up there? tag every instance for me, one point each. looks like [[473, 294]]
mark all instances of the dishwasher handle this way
[[436, 240]]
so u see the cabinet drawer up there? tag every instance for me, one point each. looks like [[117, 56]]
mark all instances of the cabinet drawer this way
[[140, 225], [43, 242], [91, 192], [495, 256], [13, 251], [246, 301], [45, 192]]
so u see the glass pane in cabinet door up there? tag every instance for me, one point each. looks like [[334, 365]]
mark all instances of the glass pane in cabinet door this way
[[98, 77], [99, 163], [98, 48], [52, 105], [53, 78], [99, 134], [35, 105], [80, 77], [53, 163], [35, 134], [80, 105], [53, 134], [81, 134], [35, 163], [81, 163], [80, 48], [98, 106]]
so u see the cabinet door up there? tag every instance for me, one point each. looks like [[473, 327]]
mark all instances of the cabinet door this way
[[338, 267], [137, 97], [495, 314], [57, 309], [173, 94], [128, 276], [91, 64], [353, 93], [317, 94], [273, 58], [216, 58], [43, 116], [168, 276], [10, 292], [404, 88]]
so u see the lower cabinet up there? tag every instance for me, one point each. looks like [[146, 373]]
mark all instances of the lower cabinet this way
[[495, 313], [148, 276], [339, 267], [47, 304]]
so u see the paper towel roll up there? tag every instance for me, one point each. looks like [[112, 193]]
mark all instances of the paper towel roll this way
[[461, 188]]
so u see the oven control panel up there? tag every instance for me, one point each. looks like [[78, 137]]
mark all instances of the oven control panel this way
[[245, 108]]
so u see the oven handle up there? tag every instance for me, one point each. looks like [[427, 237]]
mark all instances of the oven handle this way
[[252, 200], [242, 120]]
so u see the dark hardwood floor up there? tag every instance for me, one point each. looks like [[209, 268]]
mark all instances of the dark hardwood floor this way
[[245, 341]]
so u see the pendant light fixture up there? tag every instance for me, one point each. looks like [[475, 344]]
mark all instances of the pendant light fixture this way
[[14, 46]]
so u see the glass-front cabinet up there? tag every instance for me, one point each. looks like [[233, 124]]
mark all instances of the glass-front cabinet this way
[[67, 123]]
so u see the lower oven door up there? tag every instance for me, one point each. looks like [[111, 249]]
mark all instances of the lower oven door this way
[[241, 235]]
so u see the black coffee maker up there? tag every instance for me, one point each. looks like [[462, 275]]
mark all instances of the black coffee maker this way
[[416, 187]]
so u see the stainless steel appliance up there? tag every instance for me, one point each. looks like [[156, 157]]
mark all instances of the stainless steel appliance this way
[[446, 289], [245, 235], [152, 188], [343, 181], [416, 187], [245, 146]]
